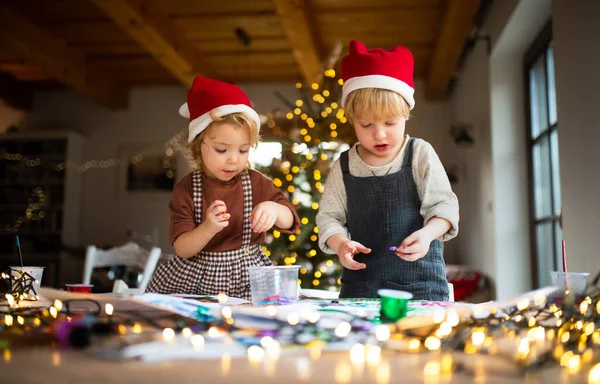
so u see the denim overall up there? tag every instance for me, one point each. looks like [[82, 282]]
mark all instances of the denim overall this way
[[382, 212]]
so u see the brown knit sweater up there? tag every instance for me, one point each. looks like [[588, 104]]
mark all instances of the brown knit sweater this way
[[182, 209]]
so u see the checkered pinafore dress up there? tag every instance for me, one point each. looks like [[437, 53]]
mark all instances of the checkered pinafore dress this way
[[211, 273]]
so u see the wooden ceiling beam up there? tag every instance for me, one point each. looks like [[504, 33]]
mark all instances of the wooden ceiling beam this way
[[456, 27], [21, 38], [154, 31], [299, 31]]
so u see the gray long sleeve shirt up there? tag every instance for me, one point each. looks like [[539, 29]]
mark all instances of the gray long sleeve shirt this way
[[433, 187]]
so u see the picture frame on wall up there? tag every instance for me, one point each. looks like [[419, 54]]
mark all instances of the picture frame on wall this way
[[151, 173], [147, 170]]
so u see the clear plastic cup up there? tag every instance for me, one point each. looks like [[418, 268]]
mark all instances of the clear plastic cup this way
[[274, 285], [573, 281], [35, 272]]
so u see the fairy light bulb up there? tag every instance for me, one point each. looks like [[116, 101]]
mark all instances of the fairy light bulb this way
[[293, 318], [477, 337], [382, 333], [343, 329], [373, 354], [594, 374], [357, 354], [109, 309], [168, 334], [255, 354], [432, 343], [10, 299]]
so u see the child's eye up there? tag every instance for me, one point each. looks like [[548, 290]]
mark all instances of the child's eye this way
[[366, 125], [220, 150], [243, 151], [390, 123]]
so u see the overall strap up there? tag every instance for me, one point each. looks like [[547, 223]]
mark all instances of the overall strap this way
[[247, 190], [197, 195], [344, 162], [409, 153]]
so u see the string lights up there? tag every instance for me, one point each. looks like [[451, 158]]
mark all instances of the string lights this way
[[34, 210], [171, 146], [560, 330]]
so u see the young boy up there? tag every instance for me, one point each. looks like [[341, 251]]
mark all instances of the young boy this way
[[388, 204]]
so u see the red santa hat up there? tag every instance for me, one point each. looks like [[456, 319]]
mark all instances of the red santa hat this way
[[376, 68], [210, 95]]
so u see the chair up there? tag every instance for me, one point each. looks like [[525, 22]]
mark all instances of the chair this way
[[128, 254]]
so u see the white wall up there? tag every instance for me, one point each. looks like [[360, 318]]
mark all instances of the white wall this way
[[108, 211], [509, 147], [494, 208], [475, 186], [490, 95], [576, 30]]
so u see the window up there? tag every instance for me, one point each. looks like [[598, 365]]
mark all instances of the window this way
[[264, 154], [542, 138]]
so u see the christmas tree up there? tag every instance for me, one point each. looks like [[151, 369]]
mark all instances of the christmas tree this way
[[312, 134]]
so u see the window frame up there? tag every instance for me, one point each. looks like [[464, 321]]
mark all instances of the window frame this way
[[537, 49]]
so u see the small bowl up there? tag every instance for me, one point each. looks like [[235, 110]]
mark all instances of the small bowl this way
[[79, 288], [394, 304]]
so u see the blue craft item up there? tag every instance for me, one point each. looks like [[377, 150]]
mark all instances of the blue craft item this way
[[19, 249], [276, 300]]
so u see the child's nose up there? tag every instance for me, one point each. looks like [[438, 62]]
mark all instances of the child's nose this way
[[232, 159], [379, 133]]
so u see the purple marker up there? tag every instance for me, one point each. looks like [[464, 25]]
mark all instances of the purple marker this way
[[393, 248]]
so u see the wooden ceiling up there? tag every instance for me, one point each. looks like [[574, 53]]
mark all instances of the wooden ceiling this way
[[103, 47]]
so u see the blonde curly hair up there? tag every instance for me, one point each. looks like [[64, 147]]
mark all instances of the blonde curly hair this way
[[238, 120]]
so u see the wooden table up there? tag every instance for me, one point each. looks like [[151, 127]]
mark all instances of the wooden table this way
[[48, 365]]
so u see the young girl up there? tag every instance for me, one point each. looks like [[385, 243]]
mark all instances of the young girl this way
[[220, 212], [387, 204]]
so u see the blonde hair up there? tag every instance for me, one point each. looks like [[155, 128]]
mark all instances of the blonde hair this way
[[375, 104], [238, 120]]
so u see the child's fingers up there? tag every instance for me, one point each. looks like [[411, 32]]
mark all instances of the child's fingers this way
[[410, 256], [219, 211], [362, 249], [265, 225], [410, 249], [350, 263], [409, 241], [217, 203], [257, 220]]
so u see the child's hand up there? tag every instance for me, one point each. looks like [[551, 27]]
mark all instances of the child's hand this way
[[415, 246], [264, 216], [347, 251], [217, 217]]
